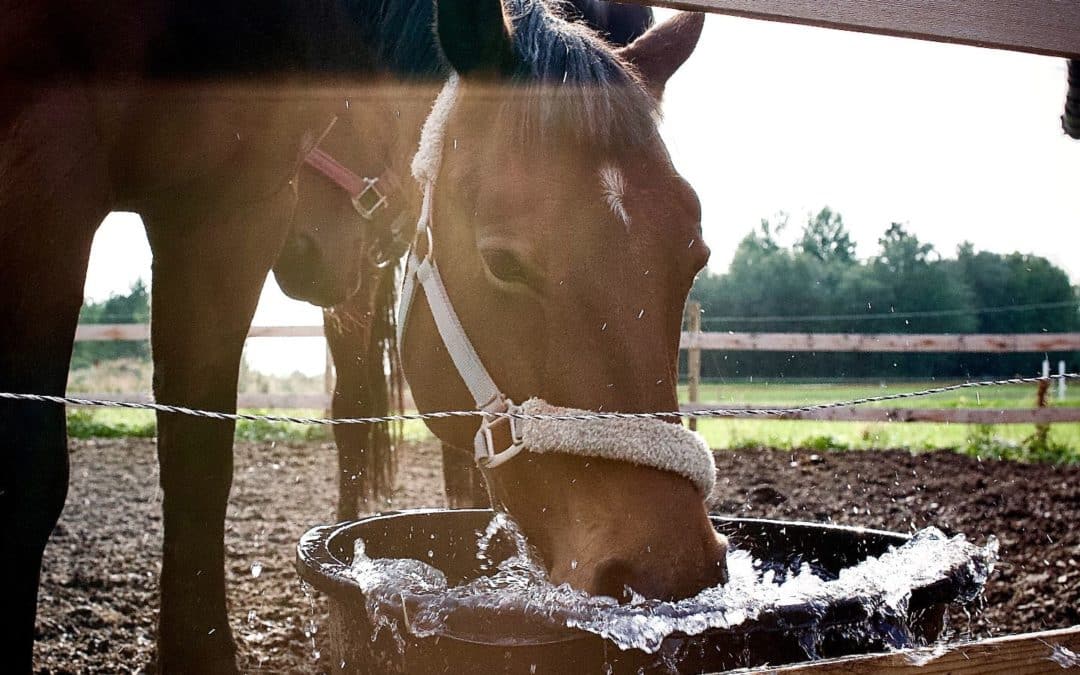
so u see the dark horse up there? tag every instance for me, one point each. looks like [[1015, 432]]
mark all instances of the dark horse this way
[[194, 115]]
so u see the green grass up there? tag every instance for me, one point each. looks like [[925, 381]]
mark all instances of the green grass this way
[[786, 394], [1013, 441], [122, 423]]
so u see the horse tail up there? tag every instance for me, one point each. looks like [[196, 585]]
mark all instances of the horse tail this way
[[387, 385], [362, 339]]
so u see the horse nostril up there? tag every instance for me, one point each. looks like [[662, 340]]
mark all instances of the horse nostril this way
[[614, 578]]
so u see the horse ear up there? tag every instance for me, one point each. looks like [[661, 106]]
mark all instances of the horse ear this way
[[475, 37], [662, 50]]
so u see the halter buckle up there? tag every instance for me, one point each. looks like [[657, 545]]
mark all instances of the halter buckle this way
[[498, 432], [369, 200]]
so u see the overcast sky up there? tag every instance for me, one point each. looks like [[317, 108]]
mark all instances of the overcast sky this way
[[959, 143]]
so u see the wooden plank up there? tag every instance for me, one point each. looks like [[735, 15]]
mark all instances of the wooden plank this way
[[108, 332], [285, 331], [693, 357], [783, 342], [1049, 27], [318, 402], [1050, 651], [927, 415], [138, 331], [852, 342]]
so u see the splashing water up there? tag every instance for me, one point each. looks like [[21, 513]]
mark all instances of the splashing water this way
[[517, 586]]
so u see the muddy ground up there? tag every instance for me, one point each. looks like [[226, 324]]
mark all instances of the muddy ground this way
[[98, 602]]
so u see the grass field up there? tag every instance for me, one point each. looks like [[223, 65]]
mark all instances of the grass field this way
[[1061, 444]]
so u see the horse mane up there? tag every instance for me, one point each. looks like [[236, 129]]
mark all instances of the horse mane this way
[[570, 79]]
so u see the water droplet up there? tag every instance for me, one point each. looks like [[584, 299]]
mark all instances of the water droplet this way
[[256, 569]]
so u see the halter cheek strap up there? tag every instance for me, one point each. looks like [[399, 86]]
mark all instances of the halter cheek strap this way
[[497, 439]]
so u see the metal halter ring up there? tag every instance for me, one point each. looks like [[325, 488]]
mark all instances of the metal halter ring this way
[[491, 457], [369, 200]]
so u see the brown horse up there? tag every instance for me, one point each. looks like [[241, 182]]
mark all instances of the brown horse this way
[[567, 244]]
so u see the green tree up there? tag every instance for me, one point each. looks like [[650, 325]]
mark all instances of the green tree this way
[[825, 238], [133, 307]]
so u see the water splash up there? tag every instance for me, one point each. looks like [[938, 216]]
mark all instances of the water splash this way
[[515, 588], [1063, 656]]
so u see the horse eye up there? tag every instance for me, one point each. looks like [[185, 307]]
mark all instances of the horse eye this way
[[505, 266]]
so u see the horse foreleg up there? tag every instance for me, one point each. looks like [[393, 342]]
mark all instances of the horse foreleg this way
[[207, 280], [463, 482], [52, 198]]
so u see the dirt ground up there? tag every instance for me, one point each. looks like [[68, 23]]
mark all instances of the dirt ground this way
[[98, 600]]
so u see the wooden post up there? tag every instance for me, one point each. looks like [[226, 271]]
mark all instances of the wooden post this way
[[328, 380], [693, 356], [1061, 380]]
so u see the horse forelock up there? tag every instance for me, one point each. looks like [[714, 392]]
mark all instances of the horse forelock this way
[[577, 81], [570, 78]]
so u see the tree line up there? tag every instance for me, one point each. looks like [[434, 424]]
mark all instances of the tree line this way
[[132, 307], [819, 285]]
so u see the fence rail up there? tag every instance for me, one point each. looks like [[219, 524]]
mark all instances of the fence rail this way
[[695, 342], [884, 342], [705, 341], [1050, 27]]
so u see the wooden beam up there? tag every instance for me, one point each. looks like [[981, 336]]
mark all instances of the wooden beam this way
[[245, 400], [862, 342], [139, 331], [1049, 27], [775, 342], [1045, 652], [926, 415]]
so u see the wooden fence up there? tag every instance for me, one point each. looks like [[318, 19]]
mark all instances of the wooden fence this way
[[695, 341], [1049, 27]]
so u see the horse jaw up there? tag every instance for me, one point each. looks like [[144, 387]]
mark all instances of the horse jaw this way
[[606, 527]]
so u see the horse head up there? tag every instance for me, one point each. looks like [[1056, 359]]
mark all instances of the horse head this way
[[354, 206], [565, 244]]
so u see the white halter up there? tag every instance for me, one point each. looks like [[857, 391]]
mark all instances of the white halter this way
[[648, 442]]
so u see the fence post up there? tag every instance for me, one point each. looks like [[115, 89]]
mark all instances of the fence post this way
[[328, 381], [1061, 380], [693, 355]]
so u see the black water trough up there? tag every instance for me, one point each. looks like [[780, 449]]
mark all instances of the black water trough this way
[[509, 644]]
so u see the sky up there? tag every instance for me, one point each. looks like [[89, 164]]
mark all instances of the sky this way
[[958, 143]]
